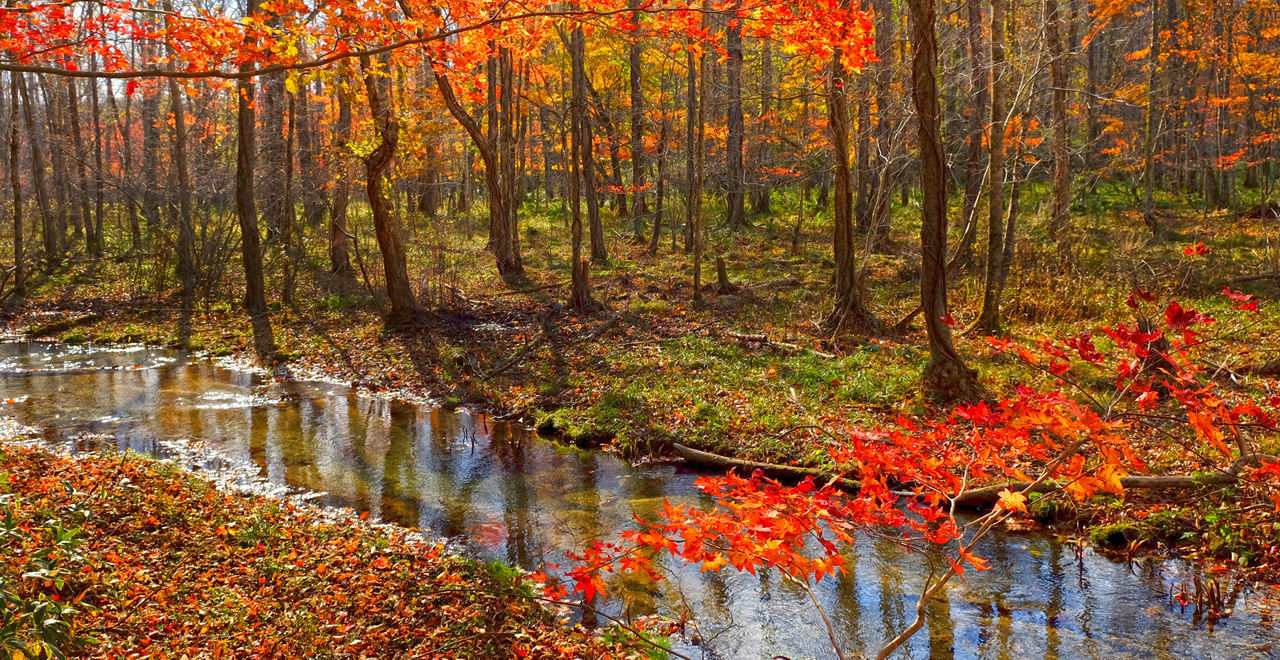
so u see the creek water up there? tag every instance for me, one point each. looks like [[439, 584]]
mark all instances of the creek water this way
[[507, 494]]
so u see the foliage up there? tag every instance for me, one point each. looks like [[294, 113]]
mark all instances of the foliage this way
[[165, 564]]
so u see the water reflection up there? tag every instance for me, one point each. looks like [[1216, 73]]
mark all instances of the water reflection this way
[[511, 496]]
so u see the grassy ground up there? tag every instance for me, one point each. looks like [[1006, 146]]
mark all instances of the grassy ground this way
[[654, 368], [157, 563]]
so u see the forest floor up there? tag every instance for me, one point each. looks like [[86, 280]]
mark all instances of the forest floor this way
[[750, 374], [160, 563]]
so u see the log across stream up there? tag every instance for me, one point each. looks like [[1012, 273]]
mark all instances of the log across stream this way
[[502, 492]]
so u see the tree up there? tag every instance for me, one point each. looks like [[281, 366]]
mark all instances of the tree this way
[[988, 321], [404, 307], [849, 311], [945, 377]]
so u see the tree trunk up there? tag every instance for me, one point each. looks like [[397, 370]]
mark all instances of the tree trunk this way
[[1060, 213], [82, 215], [15, 182], [760, 202], [99, 186], [255, 298], [882, 184], [580, 126], [945, 376], [735, 196], [700, 167], [309, 165], [690, 151], [849, 311], [38, 173], [638, 208], [988, 322], [275, 154], [1149, 139], [151, 160], [495, 157], [387, 229], [186, 265], [339, 259], [975, 170]]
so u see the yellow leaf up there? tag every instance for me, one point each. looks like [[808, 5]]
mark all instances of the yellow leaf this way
[[291, 84], [1011, 501]]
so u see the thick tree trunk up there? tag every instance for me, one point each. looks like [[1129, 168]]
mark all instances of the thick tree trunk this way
[[945, 377], [848, 311], [404, 308], [255, 297], [988, 321], [579, 162]]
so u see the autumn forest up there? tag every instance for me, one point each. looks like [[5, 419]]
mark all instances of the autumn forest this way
[[943, 279]]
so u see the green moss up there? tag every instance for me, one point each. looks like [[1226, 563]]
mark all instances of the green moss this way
[[1116, 537]]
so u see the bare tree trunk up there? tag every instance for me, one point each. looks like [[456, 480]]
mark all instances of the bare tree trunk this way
[[848, 311], [988, 322], [1060, 215], [945, 376], [661, 183], [151, 160], [309, 165], [403, 306], [882, 184], [99, 186], [760, 203], [1149, 139], [124, 123], [275, 153], [735, 196], [975, 171], [690, 151], [255, 298], [339, 259], [82, 215], [580, 126], [15, 182], [38, 174], [495, 157], [186, 265], [638, 208], [700, 167]]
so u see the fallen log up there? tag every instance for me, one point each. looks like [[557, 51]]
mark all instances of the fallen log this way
[[991, 494], [766, 341], [977, 498], [706, 459], [62, 325], [785, 283]]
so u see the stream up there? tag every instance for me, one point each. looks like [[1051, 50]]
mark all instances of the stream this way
[[502, 492]]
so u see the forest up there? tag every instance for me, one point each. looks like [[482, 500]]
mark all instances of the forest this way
[[940, 278]]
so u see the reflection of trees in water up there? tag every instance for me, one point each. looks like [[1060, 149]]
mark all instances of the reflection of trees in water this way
[[522, 545], [846, 607]]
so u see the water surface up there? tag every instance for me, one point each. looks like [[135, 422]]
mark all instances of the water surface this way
[[507, 494]]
